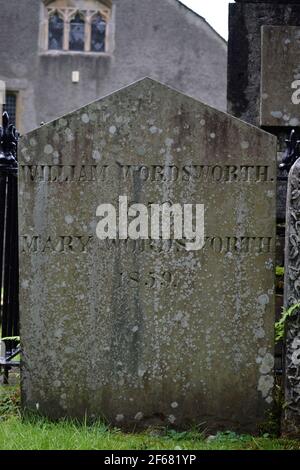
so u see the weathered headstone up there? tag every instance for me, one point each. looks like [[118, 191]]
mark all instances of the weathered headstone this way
[[144, 332], [280, 82], [291, 418]]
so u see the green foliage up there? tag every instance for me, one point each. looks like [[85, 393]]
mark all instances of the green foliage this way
[[279, 271], [280, 325], [9, 402], [41, 434], [11, 338], [33, 432], [270, 427], [230, 436]]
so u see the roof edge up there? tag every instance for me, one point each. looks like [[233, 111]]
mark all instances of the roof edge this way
[[203, 19]]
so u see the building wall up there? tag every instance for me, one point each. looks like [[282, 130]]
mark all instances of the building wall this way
[[161, 39]]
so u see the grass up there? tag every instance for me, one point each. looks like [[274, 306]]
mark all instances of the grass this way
[[37, 433]]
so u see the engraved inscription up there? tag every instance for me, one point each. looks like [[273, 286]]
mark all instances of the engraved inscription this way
[[147, 173], [63, 244]]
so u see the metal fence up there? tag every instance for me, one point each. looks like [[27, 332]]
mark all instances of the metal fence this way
[[9, 259]]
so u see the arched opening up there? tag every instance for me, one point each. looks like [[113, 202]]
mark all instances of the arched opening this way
[[55, 32], [98, 33], [77, 36]]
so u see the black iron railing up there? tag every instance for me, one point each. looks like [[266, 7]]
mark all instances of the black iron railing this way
[[9, 259]]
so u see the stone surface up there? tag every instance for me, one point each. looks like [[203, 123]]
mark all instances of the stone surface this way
[[280, 82], [146, 332], [291, 418], [245, 51]]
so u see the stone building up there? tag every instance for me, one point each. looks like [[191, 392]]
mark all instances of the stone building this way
[[57, 55]]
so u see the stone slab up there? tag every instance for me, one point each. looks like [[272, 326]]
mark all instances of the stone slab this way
[[145, 332], [280, 83]]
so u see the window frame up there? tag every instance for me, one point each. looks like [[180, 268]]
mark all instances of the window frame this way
[[15, 93], [69, 13]]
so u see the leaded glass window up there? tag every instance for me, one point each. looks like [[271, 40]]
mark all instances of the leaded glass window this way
[[76, 41], [56, 32], [11, 106], [69, 26], [98, 34]]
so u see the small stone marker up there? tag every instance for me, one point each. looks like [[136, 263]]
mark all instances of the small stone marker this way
[[280, 89], [145, 332], [291, 421]]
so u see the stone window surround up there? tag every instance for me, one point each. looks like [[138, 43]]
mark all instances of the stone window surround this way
[[67, 14], [23, 91]]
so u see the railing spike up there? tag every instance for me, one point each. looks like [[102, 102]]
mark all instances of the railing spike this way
[[5, 119], [9, 137]]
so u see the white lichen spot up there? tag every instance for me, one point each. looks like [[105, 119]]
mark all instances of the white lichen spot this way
[[169, 142], [85, 118], [112, 130], [276, 114], [37, 405], [56, 383], [69, 135], [262, 351], [263, 299], [135, 329], [294, 122], [153, 130], [265, 385], [69, 219], [119, 418], [48, 149], [269, 264], [202, 122], [139, 416], [141, 372], [267, 364], [212, 135], [141, 151], [25, 284], [270, 193], [33, 142], [63, 122], [269, 400], [245, 145], [259, 333], [96, 155], [171, 419], [174, 404], [265, 96]]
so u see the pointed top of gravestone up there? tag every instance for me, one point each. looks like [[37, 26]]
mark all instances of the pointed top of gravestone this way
[[147, 90]]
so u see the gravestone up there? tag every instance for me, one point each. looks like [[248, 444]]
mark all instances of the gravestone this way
[[291, 411], [146, 332], [280, 82]]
